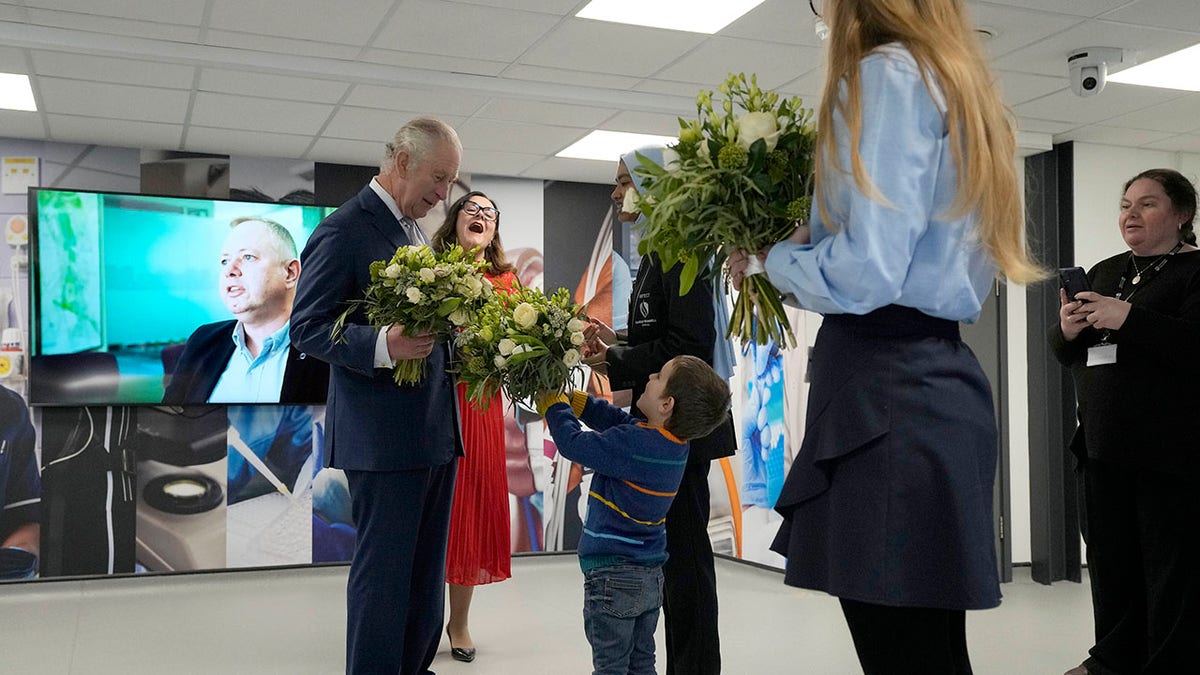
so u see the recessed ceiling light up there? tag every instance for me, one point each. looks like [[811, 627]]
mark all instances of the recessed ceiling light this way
[[1178, 70], [15, 92], [689, 15], [608, 146]]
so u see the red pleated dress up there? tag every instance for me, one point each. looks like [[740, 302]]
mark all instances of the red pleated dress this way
[[480, 551]]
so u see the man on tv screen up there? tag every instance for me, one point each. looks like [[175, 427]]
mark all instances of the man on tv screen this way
[[250, 358]]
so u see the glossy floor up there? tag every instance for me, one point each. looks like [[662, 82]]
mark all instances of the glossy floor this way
[[291, 622]]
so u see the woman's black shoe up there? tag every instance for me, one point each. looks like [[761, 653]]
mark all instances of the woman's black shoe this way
[[464, 655]]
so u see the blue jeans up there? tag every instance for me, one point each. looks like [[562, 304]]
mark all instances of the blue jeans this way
[[620, 613]]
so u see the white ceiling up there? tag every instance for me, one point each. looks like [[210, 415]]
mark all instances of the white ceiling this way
[[520, 79]]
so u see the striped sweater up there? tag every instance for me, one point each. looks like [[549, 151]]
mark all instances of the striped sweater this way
[[637, 469]]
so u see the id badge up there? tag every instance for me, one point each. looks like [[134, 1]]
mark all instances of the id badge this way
[[1102, 355]]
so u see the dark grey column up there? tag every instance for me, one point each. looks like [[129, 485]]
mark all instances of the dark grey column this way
[[1053, 490]]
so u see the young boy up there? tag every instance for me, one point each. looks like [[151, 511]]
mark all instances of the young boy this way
[[637, 467]]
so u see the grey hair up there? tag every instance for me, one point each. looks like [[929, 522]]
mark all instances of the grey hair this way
[[417, 138], [284, 243]]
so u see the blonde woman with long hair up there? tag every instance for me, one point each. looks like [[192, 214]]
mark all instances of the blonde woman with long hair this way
[[888, 504]]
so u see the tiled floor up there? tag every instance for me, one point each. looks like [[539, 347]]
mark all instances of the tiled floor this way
[[291, 622]]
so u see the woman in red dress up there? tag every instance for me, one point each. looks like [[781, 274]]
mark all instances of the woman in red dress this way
[[479, 551]]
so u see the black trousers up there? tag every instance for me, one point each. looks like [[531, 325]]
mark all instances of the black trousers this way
[[908, 640], [1144, 562], [690, 580]]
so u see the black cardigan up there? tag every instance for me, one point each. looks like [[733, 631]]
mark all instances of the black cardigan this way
[[1142, 410]]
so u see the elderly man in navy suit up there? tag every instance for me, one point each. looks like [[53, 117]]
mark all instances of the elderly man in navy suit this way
[[397, 444]]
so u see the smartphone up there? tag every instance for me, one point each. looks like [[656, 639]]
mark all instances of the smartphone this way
[[1073, 280]]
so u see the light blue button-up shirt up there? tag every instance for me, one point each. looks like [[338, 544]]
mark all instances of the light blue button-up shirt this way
[[254, 379], [908, 251]]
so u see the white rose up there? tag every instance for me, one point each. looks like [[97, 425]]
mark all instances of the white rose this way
[[571, 358], [460, 317], [629, 205], [525, 315], [755, 125], [414, 294], [506, 346], [576, 325], [576, 338], [393, 271], [499, 361], [427, 275]]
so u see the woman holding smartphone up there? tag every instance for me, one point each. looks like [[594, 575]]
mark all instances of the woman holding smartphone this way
[[1131, 346]]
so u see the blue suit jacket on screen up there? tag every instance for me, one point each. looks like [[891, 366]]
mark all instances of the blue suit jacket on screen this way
[[206, 354], [371, 423]]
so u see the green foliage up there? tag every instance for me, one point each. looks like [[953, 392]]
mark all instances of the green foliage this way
[[525, 342], [423, 291], [758, 189]]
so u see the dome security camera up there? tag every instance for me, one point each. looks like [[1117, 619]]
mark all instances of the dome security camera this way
[[1088, 68]]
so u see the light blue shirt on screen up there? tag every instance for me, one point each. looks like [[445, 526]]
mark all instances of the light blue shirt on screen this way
[[253, 379], [909, 250]]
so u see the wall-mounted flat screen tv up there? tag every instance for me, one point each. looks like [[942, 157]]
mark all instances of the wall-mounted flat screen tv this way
[[139, 299]]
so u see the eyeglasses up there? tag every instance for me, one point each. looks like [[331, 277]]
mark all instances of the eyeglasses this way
[[473, 209]]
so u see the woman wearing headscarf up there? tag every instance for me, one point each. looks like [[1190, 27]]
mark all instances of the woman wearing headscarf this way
[[662, 324]]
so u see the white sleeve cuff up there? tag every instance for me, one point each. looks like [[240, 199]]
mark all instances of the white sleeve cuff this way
[[382, 358]]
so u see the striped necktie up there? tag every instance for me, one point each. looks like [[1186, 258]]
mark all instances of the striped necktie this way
[[416, 236]]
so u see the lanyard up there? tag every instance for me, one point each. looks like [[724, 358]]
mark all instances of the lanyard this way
[[1149, 274]]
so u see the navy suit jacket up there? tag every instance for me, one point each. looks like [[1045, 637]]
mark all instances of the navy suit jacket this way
[[372, 424], [204, 359]]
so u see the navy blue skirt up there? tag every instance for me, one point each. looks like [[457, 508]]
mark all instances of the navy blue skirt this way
[[889, 499]]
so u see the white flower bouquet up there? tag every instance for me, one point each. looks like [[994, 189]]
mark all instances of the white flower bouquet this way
[[525, 342], [425, 292], [739, 181]]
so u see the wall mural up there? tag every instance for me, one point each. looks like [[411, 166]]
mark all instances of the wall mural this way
[[154, 486]]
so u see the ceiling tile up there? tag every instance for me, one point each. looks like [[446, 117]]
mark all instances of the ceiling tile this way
[[774, 64], [1049, 56], [22, 124], [497, 163], [255, 143], [501, 136], [1182, 143], [223, 111], [350, 23], [435, 102], [580, 170], [540, 112], [1013, 28], [140, 134], [648, 123], [1072, 7], [13, 13], [452, 64], [1112, 136], [146, 73], [602, 47], [272, 86], [572, 77], [1021, 87], [373, 124], [278, 45], [1115, 100], [557, 7], [787, 21], [1044, 126], [12, 60], [115, 26], [687, 89], [1179, 115], [186, 12], [470, 31], [118, 101], [342, 151], [1174, 14]]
